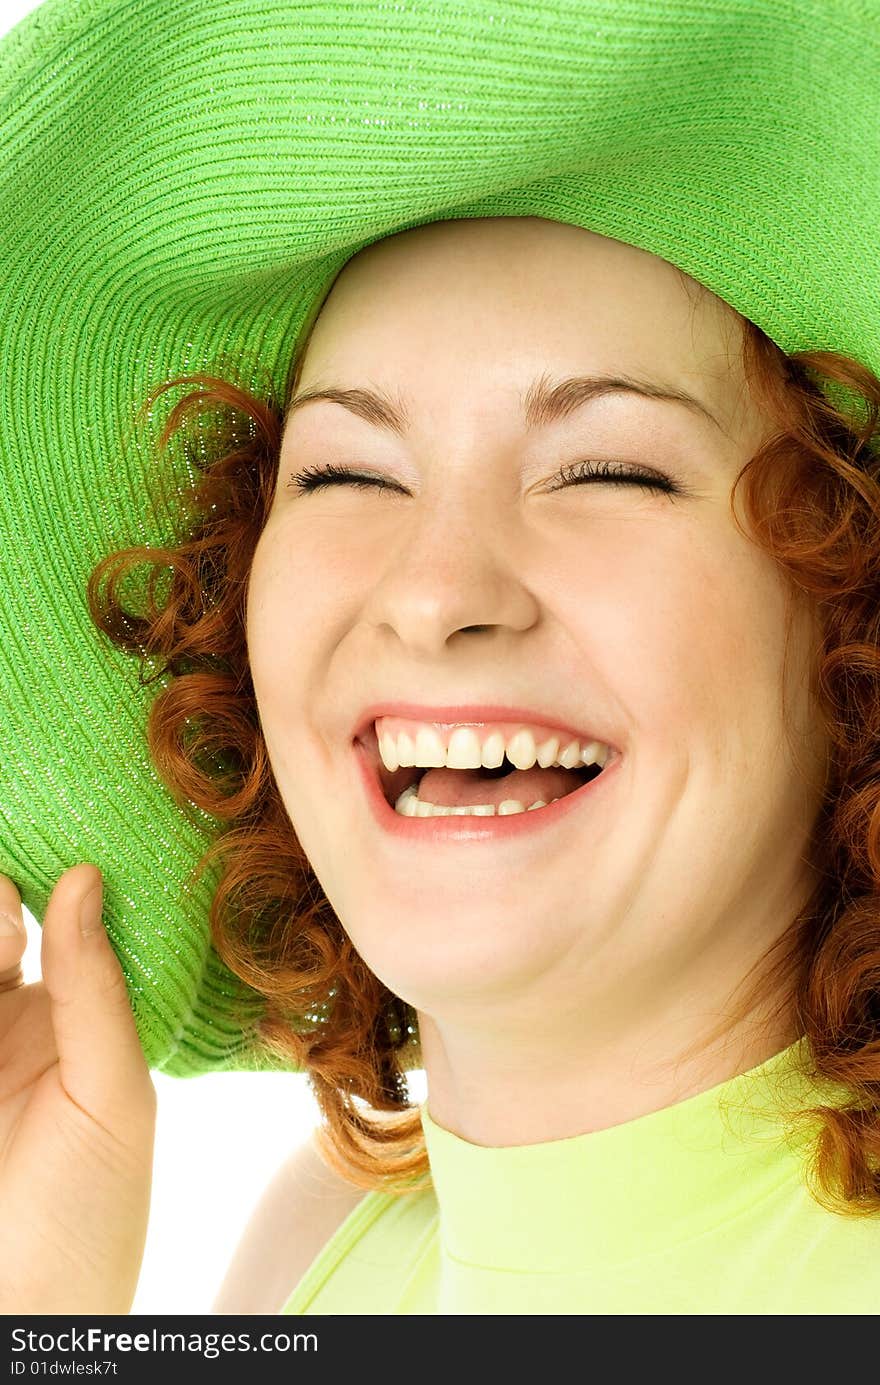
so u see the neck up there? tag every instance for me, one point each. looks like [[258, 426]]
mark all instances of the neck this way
[[492, 1091]]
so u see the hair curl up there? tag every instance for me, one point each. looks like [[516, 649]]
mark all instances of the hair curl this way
[[813, 500]]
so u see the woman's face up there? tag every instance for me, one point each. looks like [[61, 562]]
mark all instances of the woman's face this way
[[481, 578]]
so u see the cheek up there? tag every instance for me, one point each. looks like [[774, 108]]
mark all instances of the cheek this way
[[686, 626], [300, 599], [286, 631], [731, 652], [301, 585]]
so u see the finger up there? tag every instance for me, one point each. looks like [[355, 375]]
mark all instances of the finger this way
[[13, 941], [13, 936], [102, 1065]]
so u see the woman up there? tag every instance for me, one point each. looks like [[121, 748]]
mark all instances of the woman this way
[[507, 530]]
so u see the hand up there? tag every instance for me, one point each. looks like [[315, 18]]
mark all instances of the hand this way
[[77, 1113]]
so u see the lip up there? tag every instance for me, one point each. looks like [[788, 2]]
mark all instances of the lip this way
[[458, 829], [472, 714]]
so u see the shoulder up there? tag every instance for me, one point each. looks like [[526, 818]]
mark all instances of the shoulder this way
[[297, 1214]]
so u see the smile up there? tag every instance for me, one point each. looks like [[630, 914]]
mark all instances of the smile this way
[[476, 780]]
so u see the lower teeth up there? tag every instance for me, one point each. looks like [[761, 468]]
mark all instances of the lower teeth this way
[[409, 805]]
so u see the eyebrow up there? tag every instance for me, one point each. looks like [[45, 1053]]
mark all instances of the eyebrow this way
[[544, 402]]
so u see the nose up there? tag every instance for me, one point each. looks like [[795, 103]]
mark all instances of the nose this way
[[454, 571]]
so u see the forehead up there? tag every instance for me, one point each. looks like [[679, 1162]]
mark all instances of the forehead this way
[[476, 283], [486, 305]]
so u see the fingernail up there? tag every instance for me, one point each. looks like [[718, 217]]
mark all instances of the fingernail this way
[[90, 910], [10, 927]]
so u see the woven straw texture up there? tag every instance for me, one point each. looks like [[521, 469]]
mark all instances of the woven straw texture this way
[[180, 180]]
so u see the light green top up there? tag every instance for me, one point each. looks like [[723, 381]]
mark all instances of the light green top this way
[[698, 1208]]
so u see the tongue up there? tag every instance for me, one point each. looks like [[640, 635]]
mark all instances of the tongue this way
[[458, 788]]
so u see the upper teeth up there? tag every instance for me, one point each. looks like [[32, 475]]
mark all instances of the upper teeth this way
[[468, 747]]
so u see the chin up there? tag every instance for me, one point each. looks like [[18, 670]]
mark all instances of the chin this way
[[430, 955]]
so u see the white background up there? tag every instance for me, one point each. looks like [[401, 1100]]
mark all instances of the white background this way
[[219, 1138]]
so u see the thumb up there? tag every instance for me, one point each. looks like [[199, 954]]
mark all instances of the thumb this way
[[102, 1065]]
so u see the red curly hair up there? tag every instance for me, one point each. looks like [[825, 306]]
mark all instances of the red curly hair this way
[[813, 500]]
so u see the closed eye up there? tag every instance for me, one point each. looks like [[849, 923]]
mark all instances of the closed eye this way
[[617, 473], [312, 478]]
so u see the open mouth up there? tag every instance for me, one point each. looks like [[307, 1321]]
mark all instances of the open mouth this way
[[488, 792], [415, 791]]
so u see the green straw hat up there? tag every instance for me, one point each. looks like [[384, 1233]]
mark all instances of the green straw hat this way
[[181, 182]]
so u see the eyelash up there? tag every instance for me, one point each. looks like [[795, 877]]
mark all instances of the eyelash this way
[[624, 475], [311, 478]]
